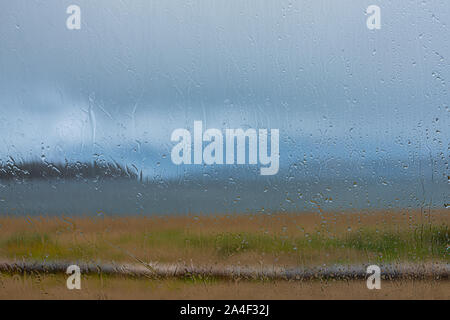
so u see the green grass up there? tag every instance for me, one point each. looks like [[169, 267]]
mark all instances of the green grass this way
[[39, 246], [422, 242], [418, 244]]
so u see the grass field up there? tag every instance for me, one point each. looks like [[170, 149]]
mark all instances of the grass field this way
[[288, 240], [306, 239]]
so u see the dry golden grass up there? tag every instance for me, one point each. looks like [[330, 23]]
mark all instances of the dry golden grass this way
[[283, 239], [275, 223], [97, 287]]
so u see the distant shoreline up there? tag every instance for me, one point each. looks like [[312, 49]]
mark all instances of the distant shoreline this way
[[41, 170]]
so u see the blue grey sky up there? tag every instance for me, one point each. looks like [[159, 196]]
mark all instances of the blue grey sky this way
[[339, 93]]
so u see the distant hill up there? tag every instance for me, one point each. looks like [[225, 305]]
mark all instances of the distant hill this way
[[12, 170]]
